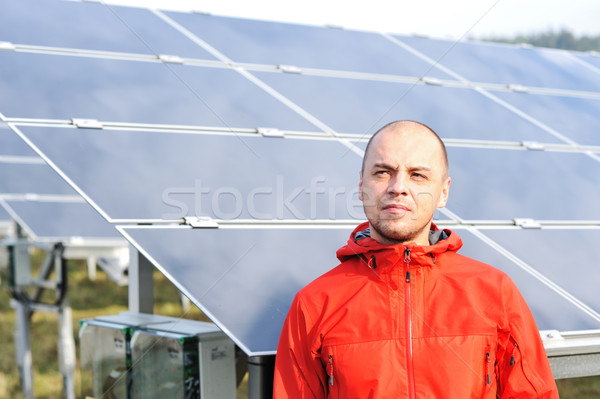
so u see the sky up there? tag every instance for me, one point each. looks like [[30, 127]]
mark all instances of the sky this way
[[436, 18]]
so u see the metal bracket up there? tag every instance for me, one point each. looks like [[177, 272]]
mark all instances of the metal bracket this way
[[431, 81], [87, 123], [533, 145], [200, 222], [527, 223], [289, 68], [170, 59], [7, 46], [551, 337], [270, 132], [517, 88]]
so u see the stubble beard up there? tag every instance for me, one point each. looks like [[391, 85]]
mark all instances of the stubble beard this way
[[393, 231]]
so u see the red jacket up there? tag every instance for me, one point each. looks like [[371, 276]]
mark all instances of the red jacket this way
[[410, 322]]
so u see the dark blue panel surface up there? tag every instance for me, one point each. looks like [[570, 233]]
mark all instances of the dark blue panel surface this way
[[58, 220], [24, 178], [566, 256], [4, 216], [60, 87], [273, 43], [226, 176], [11, 144], [91, 26], [506, 184], [506, 64], [550, 310], [361, 106], [243, 279], [575, 118]]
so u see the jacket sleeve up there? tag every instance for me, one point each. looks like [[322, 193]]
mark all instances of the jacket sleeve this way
[[299, 373], [523, 368]]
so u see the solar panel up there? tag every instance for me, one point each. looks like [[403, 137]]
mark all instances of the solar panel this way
[[4, 216], [561, 255], [59, 221], [576, 118], [222, 176], [503, 64], [552, 307], [31, 178], [302, 46], [72, 24], [41, 202], [512, 184], [11, 145], [362, 106], [118, 90], [266, 123], [241, 283]]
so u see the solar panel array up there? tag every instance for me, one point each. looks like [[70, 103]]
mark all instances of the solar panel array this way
[[43, 204], [166, 119]]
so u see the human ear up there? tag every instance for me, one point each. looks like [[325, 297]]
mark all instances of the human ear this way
[[445, 193], [360, 194]]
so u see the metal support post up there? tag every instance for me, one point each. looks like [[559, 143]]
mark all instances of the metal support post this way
[[141, 283], [23, 347], [66, 350], [260, 377]]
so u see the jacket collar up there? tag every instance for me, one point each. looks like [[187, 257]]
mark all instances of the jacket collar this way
[[361, 244]]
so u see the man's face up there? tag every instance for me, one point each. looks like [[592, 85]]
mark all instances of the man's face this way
[[403, 182]]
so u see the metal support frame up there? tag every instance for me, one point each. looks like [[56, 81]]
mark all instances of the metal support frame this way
[[27, 293], [260, 377], [573, 353], [141, 283], [23, 347]]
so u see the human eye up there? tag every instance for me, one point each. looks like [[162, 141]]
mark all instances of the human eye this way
[[419, 176]]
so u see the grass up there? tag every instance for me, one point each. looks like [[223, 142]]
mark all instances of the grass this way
[[103, 297]]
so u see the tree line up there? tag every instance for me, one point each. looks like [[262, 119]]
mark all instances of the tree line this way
[[563, 39]]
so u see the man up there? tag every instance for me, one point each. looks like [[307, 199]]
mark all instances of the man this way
[[404, 315]]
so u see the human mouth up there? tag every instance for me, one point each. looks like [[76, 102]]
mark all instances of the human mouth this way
[[396, 208]]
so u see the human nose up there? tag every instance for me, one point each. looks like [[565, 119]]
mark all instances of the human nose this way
[[397, 185]]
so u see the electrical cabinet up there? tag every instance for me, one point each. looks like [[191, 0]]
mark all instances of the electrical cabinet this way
[[135, 356]]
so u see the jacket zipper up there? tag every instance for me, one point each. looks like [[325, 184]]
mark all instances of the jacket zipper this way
[[408, 326], [330, 370], [488, 361]]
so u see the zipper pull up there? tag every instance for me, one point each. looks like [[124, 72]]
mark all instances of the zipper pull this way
[[488, 360], [512, 357], [407, 261], [330, 370]]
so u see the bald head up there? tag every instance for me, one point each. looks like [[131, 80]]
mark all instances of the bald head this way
[[408, 127]]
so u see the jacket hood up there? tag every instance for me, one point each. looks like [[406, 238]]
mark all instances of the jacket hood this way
[[361, 243]]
